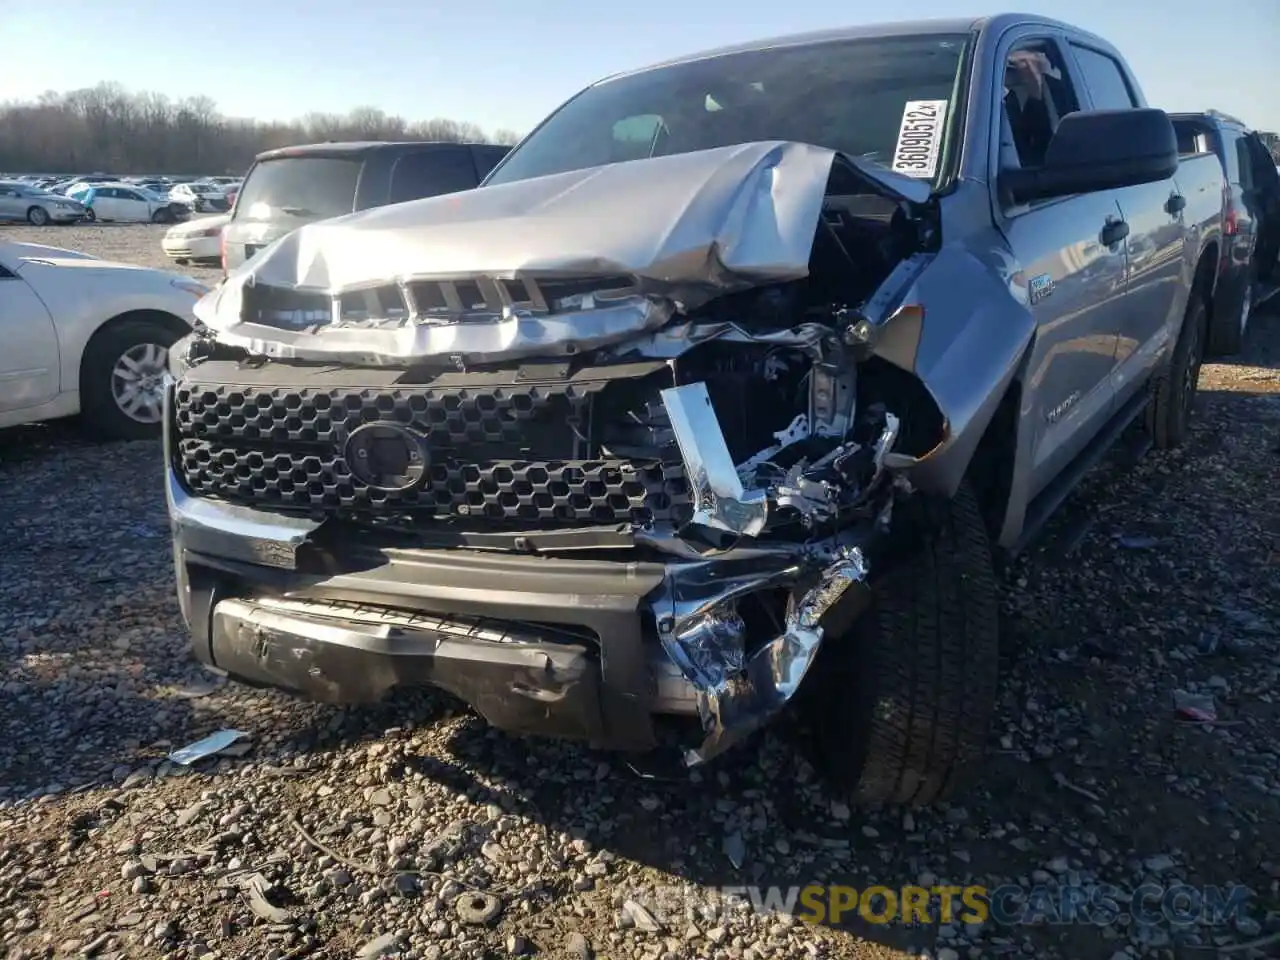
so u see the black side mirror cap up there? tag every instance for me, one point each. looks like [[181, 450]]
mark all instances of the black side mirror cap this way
[[1099, 150]]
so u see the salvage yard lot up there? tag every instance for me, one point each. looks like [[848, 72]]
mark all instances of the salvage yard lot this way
[[1158, 577]]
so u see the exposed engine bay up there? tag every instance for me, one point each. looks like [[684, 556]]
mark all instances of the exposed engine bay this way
[[716, 389]]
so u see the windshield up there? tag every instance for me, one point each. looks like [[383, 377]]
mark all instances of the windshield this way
[[299, 186], [849, 95]]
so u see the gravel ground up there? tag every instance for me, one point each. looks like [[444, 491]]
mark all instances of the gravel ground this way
[[402, 827]]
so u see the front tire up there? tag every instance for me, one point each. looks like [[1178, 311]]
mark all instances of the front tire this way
[[122, 379], [161, 216], [905, 698], [38, 217], [90, 216], [1173, 391]]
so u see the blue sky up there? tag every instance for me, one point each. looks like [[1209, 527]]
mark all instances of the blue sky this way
[[506, 63]]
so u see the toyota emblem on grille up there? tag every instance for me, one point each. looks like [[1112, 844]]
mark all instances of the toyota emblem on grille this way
[[386, 456]]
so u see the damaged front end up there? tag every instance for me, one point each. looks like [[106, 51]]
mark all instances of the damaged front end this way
[[680, 361]]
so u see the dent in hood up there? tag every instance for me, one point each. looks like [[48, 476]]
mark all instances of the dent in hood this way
[[631, 243]]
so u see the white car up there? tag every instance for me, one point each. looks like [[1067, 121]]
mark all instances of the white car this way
[[199, 196], [123, 203], [84, 335], [197, 240]]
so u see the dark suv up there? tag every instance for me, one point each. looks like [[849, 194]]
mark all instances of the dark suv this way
[[1250, 218], [292, 186]]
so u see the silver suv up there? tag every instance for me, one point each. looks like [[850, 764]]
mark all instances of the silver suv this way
[[293, 186]]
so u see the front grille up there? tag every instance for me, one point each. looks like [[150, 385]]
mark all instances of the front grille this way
[[500, 452]]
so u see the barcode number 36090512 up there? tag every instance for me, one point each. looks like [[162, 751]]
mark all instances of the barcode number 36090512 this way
[[920, 138]]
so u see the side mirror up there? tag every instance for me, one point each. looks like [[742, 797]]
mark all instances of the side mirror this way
[[1099, 150]]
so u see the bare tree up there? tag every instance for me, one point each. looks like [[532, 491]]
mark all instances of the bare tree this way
[[107, 128]]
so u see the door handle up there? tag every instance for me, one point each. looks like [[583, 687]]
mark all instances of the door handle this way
[[1177, 203], [1114, 232]]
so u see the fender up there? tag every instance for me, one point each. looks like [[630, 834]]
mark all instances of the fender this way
[[967, 348]]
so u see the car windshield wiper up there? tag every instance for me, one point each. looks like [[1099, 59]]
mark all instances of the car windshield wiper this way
[[297, 211]]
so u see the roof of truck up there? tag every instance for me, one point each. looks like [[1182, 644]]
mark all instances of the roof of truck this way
[[1210, 117], [902, 28]]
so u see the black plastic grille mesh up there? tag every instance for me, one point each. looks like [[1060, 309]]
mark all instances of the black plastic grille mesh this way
[[448, 419], [501, 453]]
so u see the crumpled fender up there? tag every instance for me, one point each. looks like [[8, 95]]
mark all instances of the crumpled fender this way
[[966, 347]]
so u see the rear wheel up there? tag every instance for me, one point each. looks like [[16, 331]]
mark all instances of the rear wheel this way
[[1173, 392], [904, 700], [122, 378], [37, 216], [1228, 333]]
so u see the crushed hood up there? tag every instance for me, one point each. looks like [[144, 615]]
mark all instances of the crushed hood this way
[[673, 232]]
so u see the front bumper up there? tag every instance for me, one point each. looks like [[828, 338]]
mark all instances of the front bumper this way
[[349, 652], [191, 248], [536, 640], [268, 604]]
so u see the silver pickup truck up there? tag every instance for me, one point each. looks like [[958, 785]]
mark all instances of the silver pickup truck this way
[[716, 396]]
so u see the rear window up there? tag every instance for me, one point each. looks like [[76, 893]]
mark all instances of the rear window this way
[[1232, 143], [487, 158], [311, 187], [429, 173]]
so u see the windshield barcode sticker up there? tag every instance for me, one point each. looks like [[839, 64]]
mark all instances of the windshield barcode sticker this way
[[920, 138]]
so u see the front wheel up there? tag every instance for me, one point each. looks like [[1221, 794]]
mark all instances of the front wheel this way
[[904, 700], [161, 216], [90, 216], [38, 216], [122, 379]]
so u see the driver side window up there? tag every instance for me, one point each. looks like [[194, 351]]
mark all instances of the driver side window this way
[[1037, 95]]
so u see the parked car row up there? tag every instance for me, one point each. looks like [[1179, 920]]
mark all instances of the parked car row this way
[[162, 196]]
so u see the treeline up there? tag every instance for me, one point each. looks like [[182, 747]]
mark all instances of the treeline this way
[[107, 128]]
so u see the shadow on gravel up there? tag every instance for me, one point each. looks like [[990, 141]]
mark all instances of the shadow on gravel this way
[[47, 726], [32, 441], [1262, 339]]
